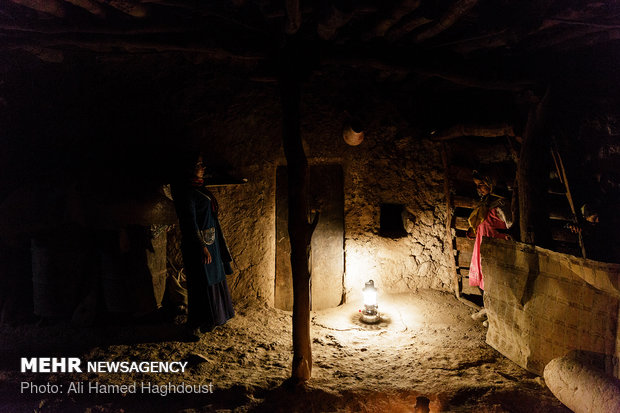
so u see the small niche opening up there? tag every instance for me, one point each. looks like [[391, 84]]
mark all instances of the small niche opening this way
[[422, 405], [391, 221]]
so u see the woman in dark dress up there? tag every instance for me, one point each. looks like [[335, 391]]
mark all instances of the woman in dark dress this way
[[205, 254]]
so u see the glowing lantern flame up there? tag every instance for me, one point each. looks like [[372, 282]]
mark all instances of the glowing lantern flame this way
[[370, 314], [370, 294]]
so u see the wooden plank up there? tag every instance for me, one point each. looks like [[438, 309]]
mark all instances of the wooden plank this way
[[461, 223], [559, 208], [564, 235], [467, 289], [464, 202], [467, 251], [463, 260], [464, 244], [560, 216]]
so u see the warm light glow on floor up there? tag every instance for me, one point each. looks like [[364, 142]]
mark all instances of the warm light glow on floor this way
[[399, 313]]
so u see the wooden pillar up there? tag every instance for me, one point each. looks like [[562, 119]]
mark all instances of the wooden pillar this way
[[299, 229], [449, 239], [533, 176]]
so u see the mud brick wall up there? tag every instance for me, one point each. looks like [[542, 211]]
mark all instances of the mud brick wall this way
[[542, 304], [394, 164]]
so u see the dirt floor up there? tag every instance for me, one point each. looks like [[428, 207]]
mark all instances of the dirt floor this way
[[427, 354]]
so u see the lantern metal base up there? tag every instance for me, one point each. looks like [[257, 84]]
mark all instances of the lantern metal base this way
[[370, 318]]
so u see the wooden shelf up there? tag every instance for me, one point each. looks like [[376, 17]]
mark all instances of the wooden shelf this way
[[461, 223], [464, 202], [564, 235], [464, 244], [463, 260]]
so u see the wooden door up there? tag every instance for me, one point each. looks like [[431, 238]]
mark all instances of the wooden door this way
[[327, 256]]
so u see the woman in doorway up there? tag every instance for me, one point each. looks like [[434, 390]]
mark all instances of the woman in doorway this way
[[489, 218], [205, 254]]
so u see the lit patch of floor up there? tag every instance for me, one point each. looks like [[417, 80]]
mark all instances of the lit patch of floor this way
[[427, 351], [398, 314]]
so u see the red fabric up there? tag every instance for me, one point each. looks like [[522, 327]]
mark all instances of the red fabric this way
[[487, 228]]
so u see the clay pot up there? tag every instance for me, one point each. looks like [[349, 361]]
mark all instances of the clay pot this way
[[353, 133]]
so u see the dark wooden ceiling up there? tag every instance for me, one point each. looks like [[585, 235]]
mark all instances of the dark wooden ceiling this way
[[499, 44], [93, 80]]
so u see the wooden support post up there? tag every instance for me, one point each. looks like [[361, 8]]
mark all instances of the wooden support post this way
[[299, 229], [449, 241], [532, 170]]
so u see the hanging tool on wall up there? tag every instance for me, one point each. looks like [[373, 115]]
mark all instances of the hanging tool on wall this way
[[559, 167]]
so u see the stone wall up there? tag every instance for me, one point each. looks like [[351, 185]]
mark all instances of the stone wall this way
[[237, 124], [248, 223], [412, 178], [124, 130], [392, 165]]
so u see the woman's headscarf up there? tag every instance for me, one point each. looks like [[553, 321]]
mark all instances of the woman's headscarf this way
[[486, 203], [487, 180]]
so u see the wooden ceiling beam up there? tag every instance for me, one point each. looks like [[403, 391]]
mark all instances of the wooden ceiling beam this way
[[462, 79], [131, 46], [52, 7], [400, 31], [590, 40], [46, 55], [487, 41], [480, 83], [334, 19], [486, 131], [106, 27], [90, 6], [55, 29], [132, 8], [559, 21], [183, 4], [402, 9], [552, 37], [453, 14]]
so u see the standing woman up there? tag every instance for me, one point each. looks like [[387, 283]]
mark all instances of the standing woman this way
[[491, 215], [205, 254]]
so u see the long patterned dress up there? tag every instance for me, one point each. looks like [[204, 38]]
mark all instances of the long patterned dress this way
[[209, 300]]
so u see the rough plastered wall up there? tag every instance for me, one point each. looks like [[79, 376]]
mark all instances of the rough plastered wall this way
[[542, 304], [405, 171], [249, 228], [394, 164], [242, 134], [390, 166]]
